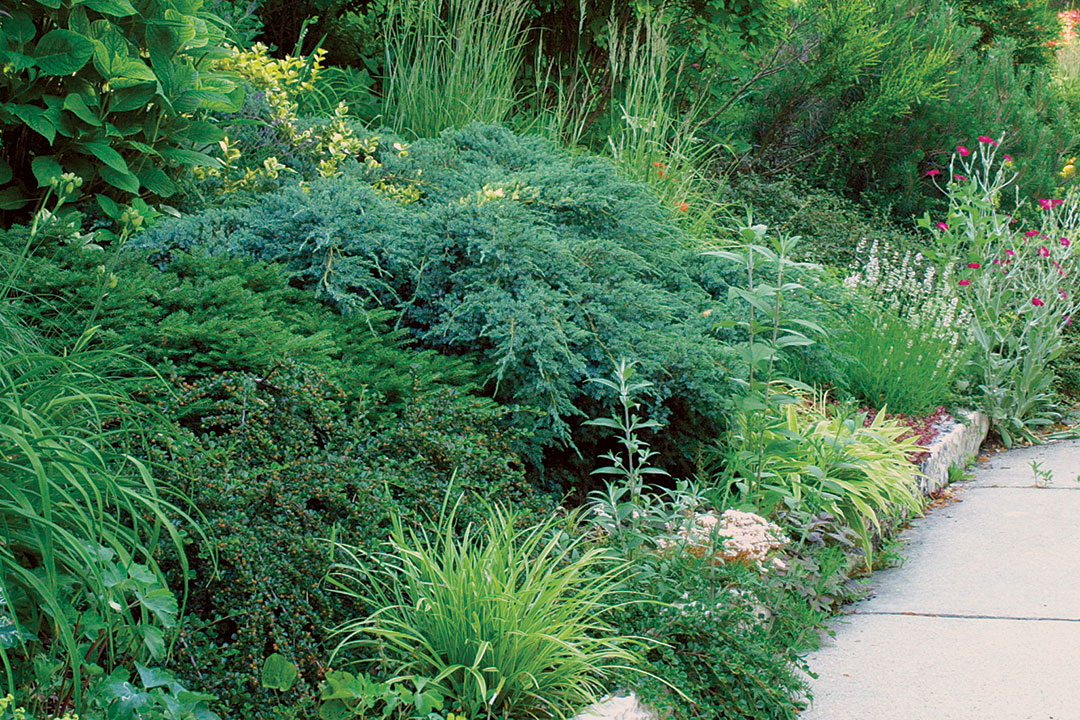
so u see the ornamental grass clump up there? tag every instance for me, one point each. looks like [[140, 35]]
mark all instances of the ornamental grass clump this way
[[1017, 277], [505, 622]]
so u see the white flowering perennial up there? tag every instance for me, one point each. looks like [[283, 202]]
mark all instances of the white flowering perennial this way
[[910, 287], [732, 537]]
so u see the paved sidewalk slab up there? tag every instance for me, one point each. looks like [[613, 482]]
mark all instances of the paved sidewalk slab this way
[[889, 667], [982, 621]]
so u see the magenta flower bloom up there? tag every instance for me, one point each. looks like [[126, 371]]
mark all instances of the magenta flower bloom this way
[[1031, 233], [1010, 252], [1065, 242], [943, 226], [974, 266], [964, 282], [1068, 321], [1045, 203], [1064, 295], [1008, 158], [1044, 251], [933, 172], [959, 178], [1037, 302], [996, 261], [989, 140], [964, 152]]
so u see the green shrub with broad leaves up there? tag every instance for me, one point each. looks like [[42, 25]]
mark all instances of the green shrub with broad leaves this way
[[113, 91]]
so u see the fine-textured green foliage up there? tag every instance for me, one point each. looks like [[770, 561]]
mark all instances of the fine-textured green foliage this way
[[82, 524], [887, 87], [280, 470], [507, 621], [721, 648], [111, 92], [546, 265], [894, 363]]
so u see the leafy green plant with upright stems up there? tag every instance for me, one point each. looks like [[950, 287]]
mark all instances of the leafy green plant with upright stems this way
[[505, 622], [452, 62], [768, 332]]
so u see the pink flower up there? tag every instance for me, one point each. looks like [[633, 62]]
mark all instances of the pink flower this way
[[1037, 302], [1031, 233], [964, 282], [1055, 202], [933, 172], [1008, 158], [1065, 242], [1056, 264], [974, 266], [1044, 251], [988, 139], [959, 178], [1045, 204], [996, 261], [964, 152], [1010, 252], [1064, 295], [1068, 321], [942, 226]]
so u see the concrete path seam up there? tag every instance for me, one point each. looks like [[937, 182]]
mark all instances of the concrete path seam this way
[[960, 616]]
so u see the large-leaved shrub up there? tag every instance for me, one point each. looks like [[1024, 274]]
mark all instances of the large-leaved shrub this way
[[112, 91]]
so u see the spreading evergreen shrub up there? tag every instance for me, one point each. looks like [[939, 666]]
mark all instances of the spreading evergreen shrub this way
[[544, 265]]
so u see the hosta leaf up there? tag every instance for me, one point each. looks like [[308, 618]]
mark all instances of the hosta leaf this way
[[156, 181], [12, 199], [63, 52], [5, 177], [278, 673]]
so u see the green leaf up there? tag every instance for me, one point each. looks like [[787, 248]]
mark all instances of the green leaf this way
[[63, 52], [116, 8], [45, 168], [12, 199], [109, 206], [154, 640], [189, 158], [161, 602], [19, 28], [132, 98], [156, 181], [278, 673], [37, 121], [123, 181], [155, 677], [77, 106], [106, 154], [5, 172]]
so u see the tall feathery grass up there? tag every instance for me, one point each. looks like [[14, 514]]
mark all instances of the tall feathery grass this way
[[507, 622], [452, 62]]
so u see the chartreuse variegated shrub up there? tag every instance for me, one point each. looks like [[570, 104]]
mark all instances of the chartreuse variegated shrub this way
[[111, 91]]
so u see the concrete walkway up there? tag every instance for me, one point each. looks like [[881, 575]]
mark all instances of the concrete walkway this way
[[982, 621]]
